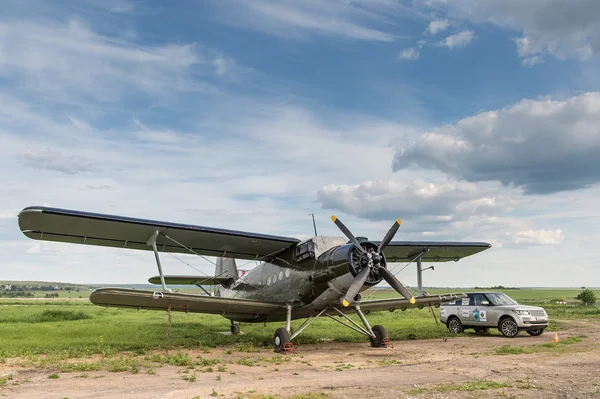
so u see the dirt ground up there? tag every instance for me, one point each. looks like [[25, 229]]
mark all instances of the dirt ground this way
[[434, 368]]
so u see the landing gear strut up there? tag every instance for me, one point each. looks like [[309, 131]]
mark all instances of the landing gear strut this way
[[377, 335]]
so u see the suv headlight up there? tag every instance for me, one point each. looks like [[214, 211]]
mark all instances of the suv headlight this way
[[522, 312]]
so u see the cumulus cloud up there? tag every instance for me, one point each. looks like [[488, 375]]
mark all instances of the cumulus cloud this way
[[437, 26], [460, 39], [439, 200], [561, 28], [409, 54], [539, 237], [54, 160], [544, 146]]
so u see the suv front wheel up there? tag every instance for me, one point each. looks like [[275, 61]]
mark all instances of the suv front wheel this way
[[455, 326], [509, 328]]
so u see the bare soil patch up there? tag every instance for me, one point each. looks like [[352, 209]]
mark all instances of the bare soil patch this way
[[462, 367]]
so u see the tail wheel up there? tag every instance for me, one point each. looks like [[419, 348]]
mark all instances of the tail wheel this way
[[509, 327], [535, 333], [380, 335], [455, 326], [280, 338], [235, 328], [481, 330]]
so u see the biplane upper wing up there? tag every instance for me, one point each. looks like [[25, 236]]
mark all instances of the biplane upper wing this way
[[432, 251], [158, 300], [400, 303], [53, 224]]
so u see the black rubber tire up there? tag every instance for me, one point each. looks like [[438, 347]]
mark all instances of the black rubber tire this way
[[235, 328], [455, 326], [481, 330], [380, 335], [508, 327], [280, 338], [535, 333]]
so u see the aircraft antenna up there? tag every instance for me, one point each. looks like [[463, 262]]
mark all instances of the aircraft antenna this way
[[314, 224]]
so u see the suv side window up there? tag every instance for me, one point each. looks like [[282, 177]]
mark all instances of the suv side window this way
[[477, 299], [466, 301]]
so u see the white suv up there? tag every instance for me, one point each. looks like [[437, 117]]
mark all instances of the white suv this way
[[482, 310]]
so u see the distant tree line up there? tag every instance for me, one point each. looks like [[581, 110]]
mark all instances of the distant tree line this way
[[496, 287]]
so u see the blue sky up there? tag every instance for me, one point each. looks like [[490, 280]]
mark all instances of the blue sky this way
[[470, 120]]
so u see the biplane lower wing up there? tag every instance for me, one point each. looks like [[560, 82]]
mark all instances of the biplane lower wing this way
[[402, 303], [63, 225], [192, 280], [158, 300]]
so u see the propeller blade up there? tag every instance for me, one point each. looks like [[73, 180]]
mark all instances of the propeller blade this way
[[356, 285], [390, 234], [347, 233], [397, 285]]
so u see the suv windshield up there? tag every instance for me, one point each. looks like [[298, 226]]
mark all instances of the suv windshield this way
[[499, 299]]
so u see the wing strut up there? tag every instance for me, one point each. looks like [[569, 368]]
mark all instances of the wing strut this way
[[152, 243], [420, 272]]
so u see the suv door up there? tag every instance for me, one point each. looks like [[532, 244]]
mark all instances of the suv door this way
[[480, 315], [463, 310]]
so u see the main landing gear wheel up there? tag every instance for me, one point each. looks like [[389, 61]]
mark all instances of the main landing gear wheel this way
[[280, 338], [380, 335], [235, 328]]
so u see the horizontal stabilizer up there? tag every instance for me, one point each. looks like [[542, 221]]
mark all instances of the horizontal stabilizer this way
[[157, 300], [193, 280]]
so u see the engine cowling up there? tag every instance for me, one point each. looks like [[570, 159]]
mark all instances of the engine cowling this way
[[340, 260]]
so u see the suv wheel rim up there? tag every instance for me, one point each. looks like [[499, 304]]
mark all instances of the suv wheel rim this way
[[454, 326], [509, 328]]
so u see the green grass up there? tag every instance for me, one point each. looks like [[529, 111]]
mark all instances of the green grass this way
[[467, 387], [560, 346], [76, 329]]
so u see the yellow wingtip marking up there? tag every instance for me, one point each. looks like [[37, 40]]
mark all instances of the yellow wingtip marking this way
[[333, 218], [412, 300], [345, 303], [399, 221]]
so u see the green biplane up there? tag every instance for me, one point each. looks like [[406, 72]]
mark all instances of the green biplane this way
[[321, 276]]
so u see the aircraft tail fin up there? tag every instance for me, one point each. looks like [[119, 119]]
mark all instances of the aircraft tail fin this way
[[226, 267]]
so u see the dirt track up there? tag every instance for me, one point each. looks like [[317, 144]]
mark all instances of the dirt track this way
[[420, 369]]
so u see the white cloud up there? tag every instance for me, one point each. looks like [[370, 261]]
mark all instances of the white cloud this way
[[293, 19], [54, 160], [436, 204], [460, 39], [409, 54], [561, 28], [437, 26], [71, 59], [531, 61], [542, 145], [223, 65], [539, 237]]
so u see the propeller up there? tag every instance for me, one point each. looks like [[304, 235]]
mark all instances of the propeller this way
[[371, 262]]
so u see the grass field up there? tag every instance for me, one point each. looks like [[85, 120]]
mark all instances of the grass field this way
[[77, 328]]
